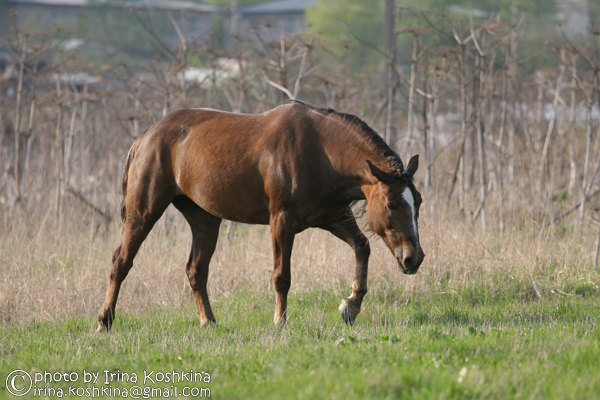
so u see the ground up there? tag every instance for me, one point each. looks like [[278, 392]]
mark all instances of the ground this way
[[495, 338], [486, 316]]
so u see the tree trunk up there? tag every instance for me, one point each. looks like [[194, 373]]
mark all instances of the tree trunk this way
[[19, 106], [548, 137], [390, 44], [411, 93], [479, 130], [588, 154]]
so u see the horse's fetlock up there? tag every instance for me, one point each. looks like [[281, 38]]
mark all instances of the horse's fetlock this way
[[359, 290]]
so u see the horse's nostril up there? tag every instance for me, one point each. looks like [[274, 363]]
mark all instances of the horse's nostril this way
[[408, 263]]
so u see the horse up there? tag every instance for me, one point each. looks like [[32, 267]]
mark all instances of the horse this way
[[293, 167]]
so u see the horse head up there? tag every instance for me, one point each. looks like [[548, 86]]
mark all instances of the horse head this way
[[393, 211]]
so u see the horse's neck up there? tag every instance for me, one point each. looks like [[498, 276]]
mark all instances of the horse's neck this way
[[349, 151], [350, 161]]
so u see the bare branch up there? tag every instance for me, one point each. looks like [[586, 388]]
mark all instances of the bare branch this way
[[278, 86]]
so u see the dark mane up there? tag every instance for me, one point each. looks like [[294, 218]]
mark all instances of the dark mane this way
[[373, 137]]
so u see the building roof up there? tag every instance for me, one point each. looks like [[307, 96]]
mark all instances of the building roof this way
[[72, 3], [173, 5], [469, 11], [156, 4], [279, 7]]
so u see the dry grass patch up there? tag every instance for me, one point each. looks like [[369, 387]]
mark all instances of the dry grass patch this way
[[53, 273]]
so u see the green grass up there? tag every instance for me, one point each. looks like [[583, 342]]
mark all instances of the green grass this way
[[509, 339]]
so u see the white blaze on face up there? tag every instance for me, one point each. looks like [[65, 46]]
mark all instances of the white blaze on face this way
[[410, 200]]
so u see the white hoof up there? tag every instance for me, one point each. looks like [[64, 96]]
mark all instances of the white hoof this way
[[347, 315]]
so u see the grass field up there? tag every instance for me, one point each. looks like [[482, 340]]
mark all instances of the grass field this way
[[486, 340], [486, 317]]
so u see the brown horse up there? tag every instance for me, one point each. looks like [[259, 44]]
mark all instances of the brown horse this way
[[293, 167]]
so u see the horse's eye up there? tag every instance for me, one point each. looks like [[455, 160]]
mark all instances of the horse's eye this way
[[392, 205]]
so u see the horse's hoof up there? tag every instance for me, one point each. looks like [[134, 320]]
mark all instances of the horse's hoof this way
[[102, 327], [209, 323], [279, 321], [104, 322], [347, 315]]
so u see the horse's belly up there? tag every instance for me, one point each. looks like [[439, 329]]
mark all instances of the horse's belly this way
[[241, 200], [247, 213]]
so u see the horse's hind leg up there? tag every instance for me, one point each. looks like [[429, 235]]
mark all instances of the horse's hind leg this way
[[205, 232], [283, 229], [133, 236], [143, 210]]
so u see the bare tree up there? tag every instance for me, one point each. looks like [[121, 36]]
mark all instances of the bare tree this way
[[391, 81]]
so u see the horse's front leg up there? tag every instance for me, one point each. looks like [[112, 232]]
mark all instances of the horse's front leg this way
[[283, 229], [347, 230]]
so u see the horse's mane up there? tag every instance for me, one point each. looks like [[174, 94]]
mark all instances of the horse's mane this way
[[370, 136]]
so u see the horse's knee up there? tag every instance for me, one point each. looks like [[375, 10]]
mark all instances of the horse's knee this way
[[282, 282], [362, 247]]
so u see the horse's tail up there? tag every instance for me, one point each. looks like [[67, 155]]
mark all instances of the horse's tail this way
[[130, 157]]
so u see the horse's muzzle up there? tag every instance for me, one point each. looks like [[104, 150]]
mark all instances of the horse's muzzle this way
[[410, 264]]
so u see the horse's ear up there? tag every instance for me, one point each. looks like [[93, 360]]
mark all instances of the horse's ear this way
[[413, 164], [379, 174]]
